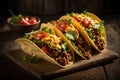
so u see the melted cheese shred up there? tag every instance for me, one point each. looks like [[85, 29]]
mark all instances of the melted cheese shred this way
[[81, 17], [53, 40]]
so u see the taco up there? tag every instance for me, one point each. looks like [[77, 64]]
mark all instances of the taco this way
[[68, 31], [47, 46], [91, 27]]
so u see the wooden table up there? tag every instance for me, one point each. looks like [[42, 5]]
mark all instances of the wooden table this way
[[94, 71]]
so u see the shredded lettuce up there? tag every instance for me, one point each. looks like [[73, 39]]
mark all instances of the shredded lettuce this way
[[84, 11], [37, 41], [70, 14], [16, 19], [69, 21], [64, 46], [89, 31], [28, 34], [101, 24], [33, 60], [98, 26], [71, 35], [46, 29]]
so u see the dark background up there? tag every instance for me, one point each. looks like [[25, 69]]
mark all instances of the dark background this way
[[57, 7]]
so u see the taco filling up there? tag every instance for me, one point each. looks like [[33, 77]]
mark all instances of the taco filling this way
[[92, 27], [72, 34], [52, 45]]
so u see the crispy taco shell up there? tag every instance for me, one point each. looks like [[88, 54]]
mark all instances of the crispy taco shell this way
[[57, 31], [85, 34], [80, 54], [102, 32], [32, 49]]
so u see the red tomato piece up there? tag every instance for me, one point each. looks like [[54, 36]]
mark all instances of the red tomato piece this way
[[62, 25], [24, 22], [44, 48], [86, 23], [40, 35], [32, 20]]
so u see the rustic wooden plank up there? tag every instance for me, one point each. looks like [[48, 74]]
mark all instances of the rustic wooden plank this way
[[96, 73], [48, 70], [113, 34], [90, 74], [9, 70]]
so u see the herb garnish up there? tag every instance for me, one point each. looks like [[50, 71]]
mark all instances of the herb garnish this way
[[33, 60]]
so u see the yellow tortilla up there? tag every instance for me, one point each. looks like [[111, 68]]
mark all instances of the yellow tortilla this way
[[81, 29], [57, 31], [32, 49], [103, 28], [60, 33]]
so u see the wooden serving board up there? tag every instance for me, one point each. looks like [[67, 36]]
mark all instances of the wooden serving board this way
[[46, 70]]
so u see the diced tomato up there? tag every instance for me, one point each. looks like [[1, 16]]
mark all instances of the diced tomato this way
[[44, 48], [86, 23], [27, 20], [62, 25], [39, 35], [32, 20], [24, 22]]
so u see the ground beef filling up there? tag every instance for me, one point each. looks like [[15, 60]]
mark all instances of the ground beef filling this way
[[83, 47], [63, 58], [98, 40]]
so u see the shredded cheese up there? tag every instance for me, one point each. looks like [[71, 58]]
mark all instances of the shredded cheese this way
[[53, 40]]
